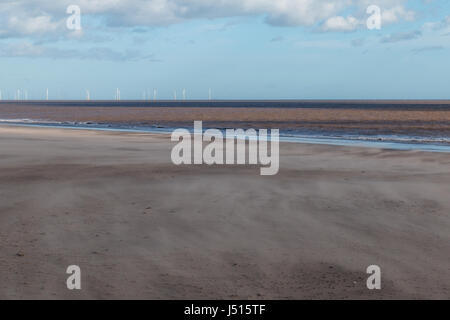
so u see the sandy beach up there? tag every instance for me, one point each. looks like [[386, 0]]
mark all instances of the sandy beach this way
[[141, 227]]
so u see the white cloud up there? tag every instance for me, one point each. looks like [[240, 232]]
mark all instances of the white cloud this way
[[27, 25], [27, 17], [401, 36], [339, 23], [396, 14], [440, 25], [30, 50]]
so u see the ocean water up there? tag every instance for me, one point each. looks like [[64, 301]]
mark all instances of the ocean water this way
[[433, 135]]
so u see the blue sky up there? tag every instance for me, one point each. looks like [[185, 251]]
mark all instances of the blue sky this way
[[247, 49]]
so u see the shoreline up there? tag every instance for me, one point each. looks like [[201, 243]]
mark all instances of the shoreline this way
[[287, 138]]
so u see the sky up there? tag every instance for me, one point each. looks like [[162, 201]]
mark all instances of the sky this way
[[240, 49]]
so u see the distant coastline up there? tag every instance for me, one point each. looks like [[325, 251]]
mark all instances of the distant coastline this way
[[388, 104]]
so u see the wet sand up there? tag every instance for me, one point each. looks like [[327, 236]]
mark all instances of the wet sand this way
[[140, 227]]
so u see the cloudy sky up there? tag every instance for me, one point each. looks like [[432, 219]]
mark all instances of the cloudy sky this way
[[241, 49]]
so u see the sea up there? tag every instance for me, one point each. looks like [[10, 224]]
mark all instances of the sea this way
[[418, 134]]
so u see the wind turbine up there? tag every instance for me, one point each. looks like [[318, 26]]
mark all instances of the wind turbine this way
[[88, 95], [46, 94], [210, 94], [155, 91], [184, 94]]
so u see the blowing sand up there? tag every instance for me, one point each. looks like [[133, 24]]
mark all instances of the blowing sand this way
[[140, 227]]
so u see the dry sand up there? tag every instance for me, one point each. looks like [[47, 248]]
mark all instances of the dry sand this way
[[140, 227]]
